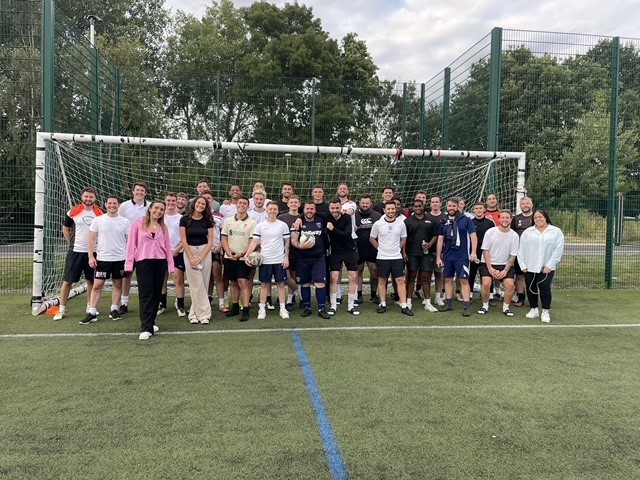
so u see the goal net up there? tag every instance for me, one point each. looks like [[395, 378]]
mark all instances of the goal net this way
[[67, 163]]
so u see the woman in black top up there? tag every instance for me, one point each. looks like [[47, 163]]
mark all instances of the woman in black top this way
[[197, 235]]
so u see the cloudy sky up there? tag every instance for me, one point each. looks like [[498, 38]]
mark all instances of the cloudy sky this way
[[416, 39]]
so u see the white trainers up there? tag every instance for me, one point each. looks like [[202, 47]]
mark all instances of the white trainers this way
[[284, 314], [161, 310], [533, 313], [156, 329], [545, 318], [144, 336], [59, 315], [438, 301], [459, 297], [204, 321], [430, 308], [262, 314]]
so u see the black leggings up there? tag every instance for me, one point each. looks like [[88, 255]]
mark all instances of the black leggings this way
[[150, 273], [539, 284]]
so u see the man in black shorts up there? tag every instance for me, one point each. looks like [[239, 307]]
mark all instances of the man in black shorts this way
[[107, 253], [365, 218], [76, 234], [519, 224], [343, 252]]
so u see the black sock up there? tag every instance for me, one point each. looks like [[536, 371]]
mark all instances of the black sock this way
[[163, 300], [180, 302]]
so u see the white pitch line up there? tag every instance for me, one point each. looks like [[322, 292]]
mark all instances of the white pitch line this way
[[320, 329]]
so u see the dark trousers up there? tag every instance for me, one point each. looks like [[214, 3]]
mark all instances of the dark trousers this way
[[150, 275], [539, 284]]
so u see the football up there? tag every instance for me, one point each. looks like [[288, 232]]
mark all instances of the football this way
[[308, 239], [256, 259]]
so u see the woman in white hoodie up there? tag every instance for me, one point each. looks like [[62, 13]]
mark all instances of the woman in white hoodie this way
[[541, 248]]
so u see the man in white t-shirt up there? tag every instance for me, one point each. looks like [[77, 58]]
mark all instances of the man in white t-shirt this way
[[273, 237], [76, 233], [388, 236], [132, 210], [172, 218], [230, 207], [259, 211], [107, 253], [499, 252]]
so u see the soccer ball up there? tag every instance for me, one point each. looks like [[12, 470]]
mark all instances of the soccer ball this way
[[256, 259], [308, 239]]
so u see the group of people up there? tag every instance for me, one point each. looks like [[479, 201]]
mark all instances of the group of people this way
[[212, 244]]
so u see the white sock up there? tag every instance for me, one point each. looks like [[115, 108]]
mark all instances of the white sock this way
[[62, 308], [409, 303], [124, 300], [352, 300], [505, 307], [485, 305], [403, 305], [262, 306], [93, 310], [334, 300], [114, 307], [290, 298]]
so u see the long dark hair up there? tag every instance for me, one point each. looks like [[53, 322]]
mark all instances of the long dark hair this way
[[147, 216], [545, 215], [207, 211]]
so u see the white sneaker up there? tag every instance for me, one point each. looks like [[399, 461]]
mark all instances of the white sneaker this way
[[262, 314], [144, 336], [459, 297], [430, 308], [194, 321], [156, 329], [533, 313], [284, 314], [161, 310], [204, 321], [59, 315], [545, 318], [438, 301]]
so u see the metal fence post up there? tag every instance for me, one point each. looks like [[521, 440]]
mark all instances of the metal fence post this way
[[613, 159], [48, 65], [446, 108]]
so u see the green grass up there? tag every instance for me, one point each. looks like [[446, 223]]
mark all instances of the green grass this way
[[448, 403]]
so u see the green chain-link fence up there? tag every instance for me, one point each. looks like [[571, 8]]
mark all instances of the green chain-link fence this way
[[551, 95]]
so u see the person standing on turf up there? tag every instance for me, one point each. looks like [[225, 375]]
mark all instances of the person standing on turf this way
[[365, 218], [197, 236], [482, 224], [311, 265], [452, 253], [343, 252], [388, 236], [499, 251], [76, 233], [519, 224], [541, 249], [272, 236], [236, 235], [149, 248], [107, 253]]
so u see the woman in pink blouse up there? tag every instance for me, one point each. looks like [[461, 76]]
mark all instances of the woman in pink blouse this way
[[149, 247]]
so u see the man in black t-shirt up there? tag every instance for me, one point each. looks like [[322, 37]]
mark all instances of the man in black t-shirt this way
[[289, 218], [482, 223], [365, 218], [435, 216], [519, 224]]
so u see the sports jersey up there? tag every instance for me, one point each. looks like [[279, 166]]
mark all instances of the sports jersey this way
[[272, 236], [482, 226], [364, 224], [316, 227], [435, 220], [418, 230], [283, 207], [322, 210], [228, 210], [521, 222], [259, 217], [238, 232], [389, 235], [112, 237], [493, 215], [501, 245], [79, 219], [456, 237], [347, 206], [218, 220], [340, 237], [288, 218]]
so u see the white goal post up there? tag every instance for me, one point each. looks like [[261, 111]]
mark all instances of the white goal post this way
[[66, 163]]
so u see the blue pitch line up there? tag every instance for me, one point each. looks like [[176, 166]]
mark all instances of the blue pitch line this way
[[331, 447]]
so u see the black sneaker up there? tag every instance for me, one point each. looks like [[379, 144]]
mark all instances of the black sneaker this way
[[492, 302], [89, 319], [381, 309], [271, 306], [374, 298], [233, 312], [330, 311], [407, 311], [418, 292], [290, 307], [115, 315], [466, 312], [483, 311], [508, 313], [245, 315], [446, 308], [324, 314], [354, 310], [359, 300], [123, 309], [339, 300], [306, 312], [396, 297]]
